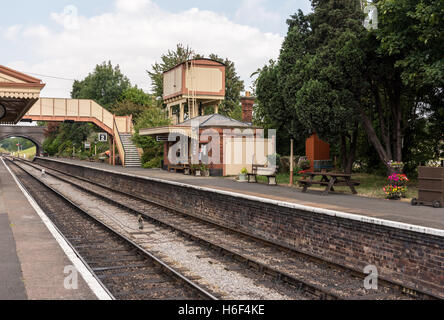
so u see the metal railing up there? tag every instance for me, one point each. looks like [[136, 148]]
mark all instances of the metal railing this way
[[119, 143]]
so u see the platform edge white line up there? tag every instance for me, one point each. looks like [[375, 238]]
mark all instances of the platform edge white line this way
[[93, 284]]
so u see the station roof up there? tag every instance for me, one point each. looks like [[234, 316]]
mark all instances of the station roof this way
[[215, 121], [208, 121], [197, 60], [18, 92]]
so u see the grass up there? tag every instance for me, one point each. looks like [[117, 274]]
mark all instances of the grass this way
[[371, 185], [29, 153]]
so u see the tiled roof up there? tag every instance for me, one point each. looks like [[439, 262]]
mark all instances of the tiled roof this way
[[215, 120]]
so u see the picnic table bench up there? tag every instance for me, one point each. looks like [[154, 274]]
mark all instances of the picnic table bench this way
[[330, 180], [263, 170]]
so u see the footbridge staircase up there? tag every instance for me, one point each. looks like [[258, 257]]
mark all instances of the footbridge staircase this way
[[119, 129]]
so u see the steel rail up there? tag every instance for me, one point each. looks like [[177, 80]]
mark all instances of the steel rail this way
[[166, 268], [311, 288]]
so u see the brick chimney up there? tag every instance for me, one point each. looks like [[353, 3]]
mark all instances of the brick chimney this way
[[247, 107]]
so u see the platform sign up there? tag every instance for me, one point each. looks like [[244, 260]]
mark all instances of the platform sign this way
[[161, 138], [103, 137]]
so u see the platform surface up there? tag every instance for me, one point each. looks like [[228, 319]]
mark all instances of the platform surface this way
[[398, 211], [32, 263]]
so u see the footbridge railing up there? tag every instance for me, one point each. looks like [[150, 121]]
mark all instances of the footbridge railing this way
[[82, 110], [118, 143]]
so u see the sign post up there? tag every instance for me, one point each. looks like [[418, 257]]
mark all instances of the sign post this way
[[103, 137]]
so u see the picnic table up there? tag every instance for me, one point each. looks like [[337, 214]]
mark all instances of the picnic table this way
[[330, 180]]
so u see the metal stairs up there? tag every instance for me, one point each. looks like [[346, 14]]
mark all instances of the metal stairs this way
[[132, 158]]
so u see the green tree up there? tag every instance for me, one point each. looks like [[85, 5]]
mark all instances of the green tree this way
[[410, 36], [308, 90], [137, 96], [328, 81], [413, 32], [334, 77], [10, 144], [105, 85], [271, 109], [133, 101], [404, 71], [153, 150], [66, 137]]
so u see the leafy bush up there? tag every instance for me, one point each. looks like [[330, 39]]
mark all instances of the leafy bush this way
[[153, 163], [153, 150], [304, 163]]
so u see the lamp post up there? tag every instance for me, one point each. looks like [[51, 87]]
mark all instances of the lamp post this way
[[291, 162]]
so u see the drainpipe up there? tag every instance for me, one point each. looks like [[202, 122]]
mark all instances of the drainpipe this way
[[114, 141]]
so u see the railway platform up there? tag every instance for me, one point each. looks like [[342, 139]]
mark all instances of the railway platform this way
[[32, 262], [394, 211], [404, 243]]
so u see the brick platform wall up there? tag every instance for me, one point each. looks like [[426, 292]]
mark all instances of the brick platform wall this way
[[409, 258]]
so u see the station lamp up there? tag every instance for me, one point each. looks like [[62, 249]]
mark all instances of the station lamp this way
[[2, 111]]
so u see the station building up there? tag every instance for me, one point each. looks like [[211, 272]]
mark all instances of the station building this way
[[193, 91]]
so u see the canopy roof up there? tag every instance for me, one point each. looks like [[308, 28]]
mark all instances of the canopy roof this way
[[18, 92], [208, 121], [215, 120]]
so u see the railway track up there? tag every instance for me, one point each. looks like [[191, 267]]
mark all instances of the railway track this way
[[316, 278], [123, 268]]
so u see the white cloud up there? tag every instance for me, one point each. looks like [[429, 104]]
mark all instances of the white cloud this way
[[39, 32], [134, 35], [12, 32], [132, 5]]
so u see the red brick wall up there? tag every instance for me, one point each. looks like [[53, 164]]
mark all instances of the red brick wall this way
[[247, 109]]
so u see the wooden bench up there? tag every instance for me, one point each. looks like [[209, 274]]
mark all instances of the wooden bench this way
[[175, 167], [264, 171]]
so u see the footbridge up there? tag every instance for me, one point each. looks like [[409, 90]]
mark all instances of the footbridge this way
[[20, 99], [119, 129]]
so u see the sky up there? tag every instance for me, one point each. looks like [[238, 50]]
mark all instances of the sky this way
[[61, 40]]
